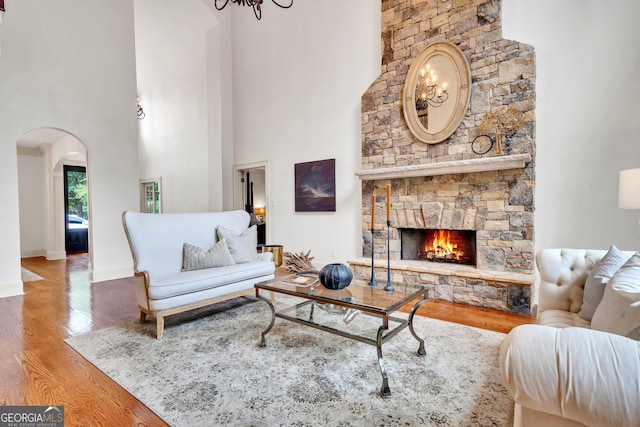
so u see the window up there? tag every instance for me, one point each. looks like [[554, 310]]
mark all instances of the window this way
[[150, 198]]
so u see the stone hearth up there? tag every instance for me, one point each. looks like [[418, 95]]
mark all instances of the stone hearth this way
[[447, 185]]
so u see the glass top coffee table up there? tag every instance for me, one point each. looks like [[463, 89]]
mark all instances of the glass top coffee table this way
[[347, 312]]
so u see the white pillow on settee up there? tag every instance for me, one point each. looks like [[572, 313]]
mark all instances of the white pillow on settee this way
[[619, 310], [196, 258], [598, 278], [243, 247]]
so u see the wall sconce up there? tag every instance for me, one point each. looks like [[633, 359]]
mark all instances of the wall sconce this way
[[260, 212], [141, 114], [629, 189]]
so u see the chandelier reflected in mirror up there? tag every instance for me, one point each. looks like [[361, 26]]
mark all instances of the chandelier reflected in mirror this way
[[256, 4], [428, 94]]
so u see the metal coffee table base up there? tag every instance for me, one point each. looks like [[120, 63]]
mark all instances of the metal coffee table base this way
[[380, 339]]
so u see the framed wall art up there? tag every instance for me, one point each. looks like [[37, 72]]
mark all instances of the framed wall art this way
[[315, 186]]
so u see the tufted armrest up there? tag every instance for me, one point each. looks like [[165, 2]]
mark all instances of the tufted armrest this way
[[584, 375], [562, 274]]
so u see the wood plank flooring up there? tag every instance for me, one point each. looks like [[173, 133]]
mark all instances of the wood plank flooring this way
[[38, 368]]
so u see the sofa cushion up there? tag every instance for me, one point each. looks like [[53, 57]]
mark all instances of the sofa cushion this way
[[619, 311], [597, 279], [196, 258], [197, 280], [562, 319], [243, 246]]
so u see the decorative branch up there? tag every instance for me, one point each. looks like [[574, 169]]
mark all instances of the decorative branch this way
[[295, 263], [503, 121]]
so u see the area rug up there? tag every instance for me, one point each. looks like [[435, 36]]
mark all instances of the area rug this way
[[29, 276], [208, 370]]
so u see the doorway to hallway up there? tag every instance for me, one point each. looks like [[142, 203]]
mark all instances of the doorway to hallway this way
[[251, 193], [76, 209]]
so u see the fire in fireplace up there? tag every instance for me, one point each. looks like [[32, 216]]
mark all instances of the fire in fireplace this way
[[451, 246]]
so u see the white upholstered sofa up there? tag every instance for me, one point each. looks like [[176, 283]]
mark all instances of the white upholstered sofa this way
[[184, 261], [580, 364]]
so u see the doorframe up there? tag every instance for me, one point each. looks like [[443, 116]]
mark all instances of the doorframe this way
[[238, 201]]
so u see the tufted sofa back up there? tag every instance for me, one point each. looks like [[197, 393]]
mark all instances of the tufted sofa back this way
[[562, 275]]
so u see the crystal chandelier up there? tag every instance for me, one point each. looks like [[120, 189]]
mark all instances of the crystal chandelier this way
[[428, 94], [256, 4]]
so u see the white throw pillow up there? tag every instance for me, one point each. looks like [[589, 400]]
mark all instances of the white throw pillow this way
[[598, 277], [196, 258], [619, 311], [243, 247]]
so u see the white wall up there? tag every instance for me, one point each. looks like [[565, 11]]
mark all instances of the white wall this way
[[178, 74], [32, 192], [588, 64], [299, 74], [71, 65]]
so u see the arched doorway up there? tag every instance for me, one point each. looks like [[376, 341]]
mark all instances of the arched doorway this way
[[44, 155]]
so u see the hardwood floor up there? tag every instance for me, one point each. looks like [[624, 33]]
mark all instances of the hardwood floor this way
[[38, 368]]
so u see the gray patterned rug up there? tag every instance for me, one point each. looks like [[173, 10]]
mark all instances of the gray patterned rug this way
[[29, 276], [208, 370]]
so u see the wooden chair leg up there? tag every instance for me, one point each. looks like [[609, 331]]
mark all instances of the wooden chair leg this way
[[160, 326], [143, 316]]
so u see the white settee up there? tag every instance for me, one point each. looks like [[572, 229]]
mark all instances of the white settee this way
[[160, 257], [580, 364]]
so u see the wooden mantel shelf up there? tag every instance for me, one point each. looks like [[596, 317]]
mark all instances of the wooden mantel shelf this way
[[483, 164]]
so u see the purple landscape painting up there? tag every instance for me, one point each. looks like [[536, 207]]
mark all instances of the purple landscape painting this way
[[315, 186]]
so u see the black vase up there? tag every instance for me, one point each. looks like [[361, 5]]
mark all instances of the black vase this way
[[335, 276]]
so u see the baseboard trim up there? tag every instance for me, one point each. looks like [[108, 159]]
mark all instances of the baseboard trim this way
[[33, 253], [53, 255], [112, 274]]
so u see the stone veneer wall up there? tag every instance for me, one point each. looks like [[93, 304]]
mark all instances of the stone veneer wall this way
[[498, 204]]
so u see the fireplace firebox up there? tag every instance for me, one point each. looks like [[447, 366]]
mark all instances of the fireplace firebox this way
[[449, 246]]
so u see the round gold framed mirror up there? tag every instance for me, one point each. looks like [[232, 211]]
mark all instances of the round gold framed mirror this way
[[436, 92]]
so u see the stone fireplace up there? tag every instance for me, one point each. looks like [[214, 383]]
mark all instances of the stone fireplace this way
[[447, 186]]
